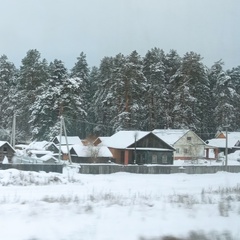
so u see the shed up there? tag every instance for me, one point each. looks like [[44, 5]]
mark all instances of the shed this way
[[6, 150]]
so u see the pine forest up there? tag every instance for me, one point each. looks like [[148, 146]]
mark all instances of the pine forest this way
[[125, 92]]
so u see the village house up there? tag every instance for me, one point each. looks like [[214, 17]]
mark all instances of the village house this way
[[137, 147], [219, 143], [71, 140], [79, 152], [187, 144], [6, 151], [90, 154]]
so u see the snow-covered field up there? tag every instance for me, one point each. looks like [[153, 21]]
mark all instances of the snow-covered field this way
[[52, 206]]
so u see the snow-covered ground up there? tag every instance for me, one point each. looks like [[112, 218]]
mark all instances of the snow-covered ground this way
[[52, 206], [233, 159]]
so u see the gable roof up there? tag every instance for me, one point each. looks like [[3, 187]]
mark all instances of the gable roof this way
[[37, 145], [233, 136], [72, 140], [170, 136], [122, 139], [233, 139], [5, 142], [85, 151]]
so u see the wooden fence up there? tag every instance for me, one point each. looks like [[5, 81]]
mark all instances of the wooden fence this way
[[113, 168], [34, 167], [154, 169]]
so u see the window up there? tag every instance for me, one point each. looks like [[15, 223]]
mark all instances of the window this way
[[154, 158], [189, 139], [164, 158], [185, 150], [5, 149], [177, 150]]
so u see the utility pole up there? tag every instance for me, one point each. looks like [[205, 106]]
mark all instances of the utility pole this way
[[226, 148], [65, 133], [13, 131], [135, 148], [60, 139]]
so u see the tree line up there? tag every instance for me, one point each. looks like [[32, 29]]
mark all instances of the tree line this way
[[125, 92]]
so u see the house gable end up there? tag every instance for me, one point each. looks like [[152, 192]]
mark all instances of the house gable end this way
[[237, 144], [150, 141], [191, 137]]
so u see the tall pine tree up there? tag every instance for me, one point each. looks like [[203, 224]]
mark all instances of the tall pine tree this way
[[81, 74], [60, 98], [33, 73], [8, 93]]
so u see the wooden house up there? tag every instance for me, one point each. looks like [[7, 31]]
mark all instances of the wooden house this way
[[71, 140], [188, 145], [6, 150], [82, 154], [140, 147], [90, 154]]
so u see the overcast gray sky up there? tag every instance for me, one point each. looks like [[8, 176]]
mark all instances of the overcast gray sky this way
[[63, 28]]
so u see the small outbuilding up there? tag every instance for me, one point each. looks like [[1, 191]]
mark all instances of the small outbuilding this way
[[6, 151]]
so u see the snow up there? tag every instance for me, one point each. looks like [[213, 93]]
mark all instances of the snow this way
[[233, 160], [54, 206], [170, 136], [4, 142], [122, 139], [5, 160], [37, 145], [87, 151], [71, 140], [233, 138]]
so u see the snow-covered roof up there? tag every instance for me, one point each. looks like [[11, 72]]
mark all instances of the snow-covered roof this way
[[122, 139], [233, 139], [103, 141], [5, 142], [48, 157], [85, 151], [64, 149], [221, 142], [71, 140], [170, 136], [37, 145], [42, 152]]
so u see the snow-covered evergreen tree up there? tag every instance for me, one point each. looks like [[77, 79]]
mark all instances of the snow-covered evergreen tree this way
[[60, 98], [225, 97], [33, 73], [157, 95], [234, 73], [92, 111], [103, 98], [81, 73], [191, 88], [119, 97], [132, 86], [8, 93], [172, 63]]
